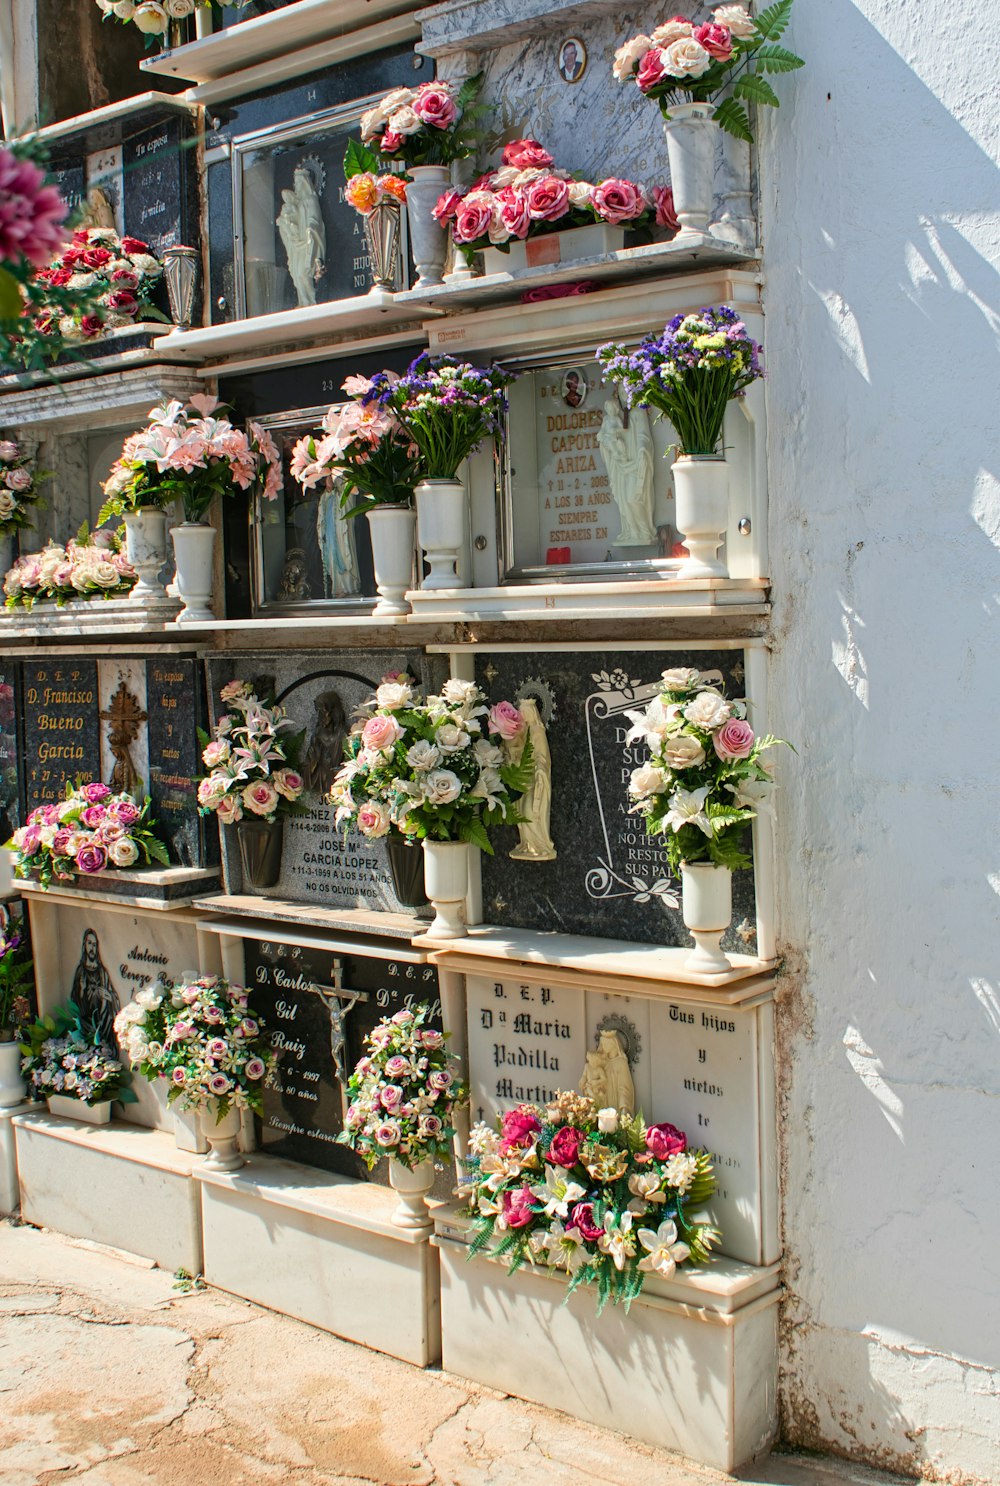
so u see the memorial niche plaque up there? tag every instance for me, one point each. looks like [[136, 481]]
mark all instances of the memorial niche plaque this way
[[292, 988], [176, 709], [10, 753], [526, 1043], [154, 185], [62, 731], [608, 878]]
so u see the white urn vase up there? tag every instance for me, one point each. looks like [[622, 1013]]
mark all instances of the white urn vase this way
[[446, 882], [146, 550], [411, 1187], [392, 533], [428, 239], [441, 517], [707, 904], [13, 1090], [222, 1136], [701, 494], [691, 137], [193, 553]]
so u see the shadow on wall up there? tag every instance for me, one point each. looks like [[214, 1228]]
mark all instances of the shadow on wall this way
[[882, 319]]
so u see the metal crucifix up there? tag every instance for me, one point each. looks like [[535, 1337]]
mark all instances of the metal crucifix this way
[[339, 1002]]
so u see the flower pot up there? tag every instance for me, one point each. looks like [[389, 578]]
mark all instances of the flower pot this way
[[75, 1109], [260, 852], [701, 492], [411, 1187], [392, 529], [691, 135], [555, 247], [146, 550], [13, 1089], [446, 880], [428, 239], [707, 905], [382, 238], [193, 551], [407, 866], [441, 517], [188, 1134], [222, 1135]]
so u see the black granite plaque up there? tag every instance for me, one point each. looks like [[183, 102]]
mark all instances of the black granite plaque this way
[[154, 192], [69, 179], [609, 878], [303, 1105], [175, 706], [62, 731], [10, 753]]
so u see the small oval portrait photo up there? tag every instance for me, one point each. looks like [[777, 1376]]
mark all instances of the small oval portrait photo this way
[[574, 388], [572, 59]]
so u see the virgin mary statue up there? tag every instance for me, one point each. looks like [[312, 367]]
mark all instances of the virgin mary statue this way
[[303, 232]]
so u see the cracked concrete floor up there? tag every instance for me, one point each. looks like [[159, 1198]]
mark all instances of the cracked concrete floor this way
[[110, 1377]]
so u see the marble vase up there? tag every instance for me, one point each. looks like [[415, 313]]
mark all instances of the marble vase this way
[[441, 517], [701, 493], [428, 239], [13, 1090], [392, 534], [707, 902], [446, 880], [411, 1187], [691, 134], [146, 550], [194, 545], [222, 1136]]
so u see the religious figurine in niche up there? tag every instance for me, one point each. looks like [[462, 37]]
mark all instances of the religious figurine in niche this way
[[126, 718], [627, 451], [93, 991], [99, 211], [303, 232], [606, 1076], [294, 585], [326, 746], [574, 388], [336, 545], [535, 842], [572, 59]]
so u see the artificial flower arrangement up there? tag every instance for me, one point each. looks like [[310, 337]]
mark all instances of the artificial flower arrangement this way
[[61, 1056], [16, 975], [528, 196], [19, 484], [600, 1195], [90, 830], [364, 445], [153, 17], [438, 770], [191, 453], [32, 230], [705, 779], [447, 407], [367, 186], [252, 759], [688, 374], [92, 565], [198, 1034], [681, 62], [403, 1094], [429, 125], [117, 274]]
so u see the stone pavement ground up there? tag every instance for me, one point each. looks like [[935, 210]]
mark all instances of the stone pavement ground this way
[[111, 1377]]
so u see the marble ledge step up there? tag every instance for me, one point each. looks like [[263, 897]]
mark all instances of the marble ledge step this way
[[241, 912], [545, 957], [107, 126], [639, 599], [161, 888]]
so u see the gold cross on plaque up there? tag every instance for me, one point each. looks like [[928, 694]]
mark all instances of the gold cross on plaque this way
[[339, 1001], [126, 718], [491, 673]]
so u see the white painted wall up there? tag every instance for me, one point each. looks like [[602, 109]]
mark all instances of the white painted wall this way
[[880, 228]]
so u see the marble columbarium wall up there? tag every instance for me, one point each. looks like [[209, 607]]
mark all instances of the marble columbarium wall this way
[[840, 1072]]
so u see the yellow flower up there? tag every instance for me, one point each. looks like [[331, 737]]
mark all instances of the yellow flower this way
[[361, 192]]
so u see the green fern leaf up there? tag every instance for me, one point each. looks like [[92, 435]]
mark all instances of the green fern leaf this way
[[757, 90], [774, 20], [733, 117], [777, 59]]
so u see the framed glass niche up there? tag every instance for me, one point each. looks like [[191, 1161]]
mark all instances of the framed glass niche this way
[[305, 552], [585, 485], [296, 241]]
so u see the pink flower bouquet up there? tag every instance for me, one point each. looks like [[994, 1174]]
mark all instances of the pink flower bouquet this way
[[118, 276], [422, 126], [527, 195], [366, 447], [90, 566], [191, 454], [19, 484], [90, 830], [252, 761]]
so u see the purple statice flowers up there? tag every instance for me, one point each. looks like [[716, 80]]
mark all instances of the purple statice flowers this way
[[448, 408]]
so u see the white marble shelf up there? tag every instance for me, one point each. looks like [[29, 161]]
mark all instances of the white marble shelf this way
[[111, 360], [105, 398], [640, 599], [561, 959], [688, 252], [162, 889], [283, 31], [478, 25], [103, 125], [83, 618], [266, 910]]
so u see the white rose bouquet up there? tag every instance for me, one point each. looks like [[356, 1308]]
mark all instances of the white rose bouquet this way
[[153, 17], [90, 566], [252, 759], [705, 779], [19, 484], [445, 769]]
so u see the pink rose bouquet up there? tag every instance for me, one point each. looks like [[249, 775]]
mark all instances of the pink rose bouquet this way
[[252, 761], [527, 196], [92, 565], [365, 447], [19, 483], [595, 1193], [439, 769], [428, 125], [192, 454], [403, 1093], [705, 779], [89, 830], [116, 275], [201, 1035], [723, 61]]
